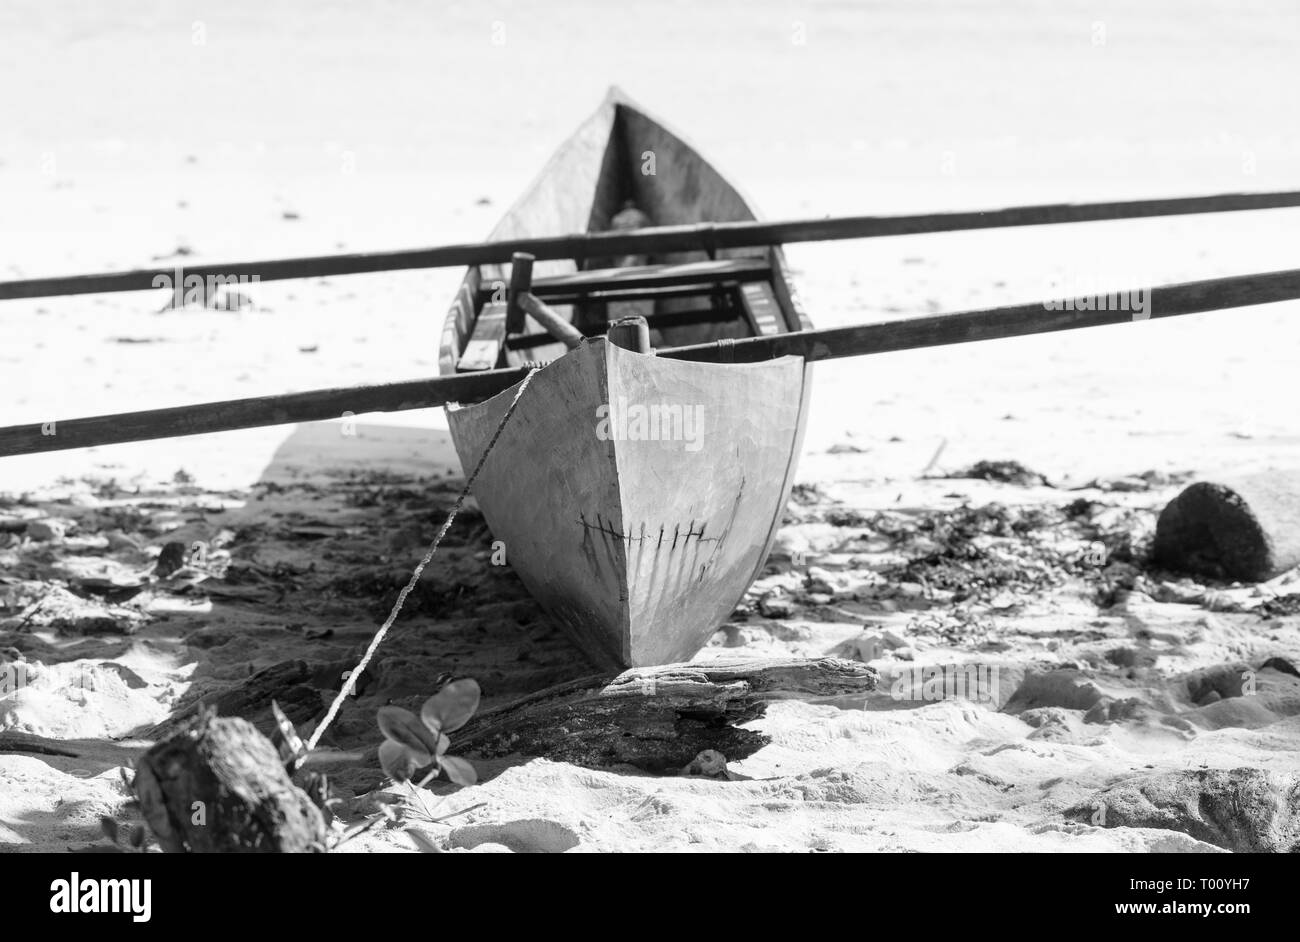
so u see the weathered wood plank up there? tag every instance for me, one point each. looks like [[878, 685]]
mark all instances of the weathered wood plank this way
[[218, 786], [1193, 297], [653, 276], [661, 239], [658, 718], [483, 352], [761, 307], [550, 319]]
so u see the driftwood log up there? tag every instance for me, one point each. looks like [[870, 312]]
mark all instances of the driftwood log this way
[[657, 718], [1244, 528], [219, 786], [292, 684]]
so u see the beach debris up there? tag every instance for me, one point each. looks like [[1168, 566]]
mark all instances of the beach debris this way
[[934, 459], [1004, 472], [807, 494], [125, 839], [61, 610], [219, 786], [120, 540], [171, 559], [1135, 483], [870, 646], [47, 530], [1247, 529], [709, 763], [775, 605], [286, 688], [659, 719]]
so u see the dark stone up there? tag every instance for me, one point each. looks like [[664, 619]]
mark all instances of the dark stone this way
[[1246, 529]]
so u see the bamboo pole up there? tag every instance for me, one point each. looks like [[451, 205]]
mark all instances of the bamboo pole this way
[[1021, 320], [234, 414], [1193, 297], [699, 237]]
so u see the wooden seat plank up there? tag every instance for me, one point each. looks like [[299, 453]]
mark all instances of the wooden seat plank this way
[[653, 276], [484, 348], [761, 306]]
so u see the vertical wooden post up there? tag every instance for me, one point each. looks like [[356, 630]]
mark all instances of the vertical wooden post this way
[[521, 280], [630, 333]]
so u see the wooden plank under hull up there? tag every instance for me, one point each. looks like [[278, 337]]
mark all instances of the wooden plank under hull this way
[[639, 547]]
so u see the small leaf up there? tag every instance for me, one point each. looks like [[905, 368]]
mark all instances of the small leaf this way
[[422, 842], [451, 707], [459, 770], [395, 759], [443, 745], [404, 727], [109, 827]]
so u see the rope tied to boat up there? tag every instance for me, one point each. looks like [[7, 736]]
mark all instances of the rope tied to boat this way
[[352, 677]]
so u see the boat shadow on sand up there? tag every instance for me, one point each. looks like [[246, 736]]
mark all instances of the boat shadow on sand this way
[[145, 605]]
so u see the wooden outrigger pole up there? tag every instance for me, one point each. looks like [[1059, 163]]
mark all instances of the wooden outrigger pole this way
[[697, 237], [1193, 297]]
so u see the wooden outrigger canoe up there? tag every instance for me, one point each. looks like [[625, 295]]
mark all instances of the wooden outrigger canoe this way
[[637, 497]]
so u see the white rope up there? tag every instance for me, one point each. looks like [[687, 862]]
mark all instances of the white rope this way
[[350, 682]]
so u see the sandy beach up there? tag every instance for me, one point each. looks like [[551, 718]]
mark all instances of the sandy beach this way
[[175, 133]]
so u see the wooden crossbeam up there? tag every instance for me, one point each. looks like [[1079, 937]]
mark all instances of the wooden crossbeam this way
[[704, 237], [1193, 297], [659, 321], [611, 280]]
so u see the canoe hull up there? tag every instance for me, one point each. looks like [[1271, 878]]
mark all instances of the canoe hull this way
[[638, 545], [637, 498]]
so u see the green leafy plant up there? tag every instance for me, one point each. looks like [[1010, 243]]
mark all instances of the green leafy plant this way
[[415, 742]]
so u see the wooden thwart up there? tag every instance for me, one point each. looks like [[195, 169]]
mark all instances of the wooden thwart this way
[[1192, 297], [603, 280]]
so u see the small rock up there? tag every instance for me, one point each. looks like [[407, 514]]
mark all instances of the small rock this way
[[170, 560], [46, 530], [117, 539], [818, 580], [775, 606], [710, 763], [791, 545], [867, 647], [910, 590]]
